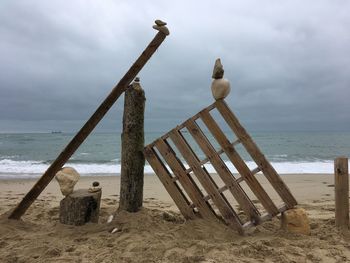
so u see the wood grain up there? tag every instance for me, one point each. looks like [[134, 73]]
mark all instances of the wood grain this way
[[228, 214], [238, 162], [222, 170], [164, 176], [341, 186], [270, 173], [185, 179]]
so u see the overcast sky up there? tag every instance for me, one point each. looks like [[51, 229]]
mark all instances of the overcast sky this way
[[288, 61]]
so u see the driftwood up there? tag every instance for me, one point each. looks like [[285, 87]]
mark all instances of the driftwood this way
[[133, 160], [341, 187], [80, 207], [80, 137]]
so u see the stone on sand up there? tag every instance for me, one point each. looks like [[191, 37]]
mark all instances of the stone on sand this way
[[67, 177], [296, 221]]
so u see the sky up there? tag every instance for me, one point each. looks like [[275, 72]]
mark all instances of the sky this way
[[287, 61]]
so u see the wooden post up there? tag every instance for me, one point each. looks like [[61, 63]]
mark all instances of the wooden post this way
[[80, 137], [341, 183], [133, 160]]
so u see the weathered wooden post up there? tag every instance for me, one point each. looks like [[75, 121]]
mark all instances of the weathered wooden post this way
[[341, 183], [133, 160]]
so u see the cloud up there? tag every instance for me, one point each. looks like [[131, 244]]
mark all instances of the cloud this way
[[287, 61]]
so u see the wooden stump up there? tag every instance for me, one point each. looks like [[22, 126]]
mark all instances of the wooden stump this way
[[133, 160], [80, 207], [341, 184]]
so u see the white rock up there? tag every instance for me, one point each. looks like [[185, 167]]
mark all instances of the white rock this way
[[220, 88], [110, 219], [114, 230], [67, 177]]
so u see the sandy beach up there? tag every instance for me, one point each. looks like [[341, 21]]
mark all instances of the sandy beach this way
[[158, 233]]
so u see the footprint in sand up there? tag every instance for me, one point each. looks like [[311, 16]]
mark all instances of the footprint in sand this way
[[70, 249], [80, 239]]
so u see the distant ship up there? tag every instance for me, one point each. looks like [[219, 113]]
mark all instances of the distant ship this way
[[56, 132]]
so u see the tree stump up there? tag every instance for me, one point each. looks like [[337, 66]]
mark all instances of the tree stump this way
[[80, 207], [133, 160]]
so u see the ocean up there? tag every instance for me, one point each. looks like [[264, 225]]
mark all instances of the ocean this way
[[29, 154]]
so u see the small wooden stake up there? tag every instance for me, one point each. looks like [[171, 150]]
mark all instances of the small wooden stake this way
[[341, 183], [84, 132], [133, 160]]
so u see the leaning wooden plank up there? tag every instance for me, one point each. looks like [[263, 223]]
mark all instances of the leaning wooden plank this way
[[80, 137], [238, 162], [222, 170], [164, 176], [228, 214], [186, 181], [270, 173]]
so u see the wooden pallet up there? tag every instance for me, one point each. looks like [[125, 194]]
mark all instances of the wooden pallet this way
[[196, 192]]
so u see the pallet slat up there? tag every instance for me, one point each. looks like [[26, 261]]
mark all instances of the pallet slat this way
[[238, 162], [228, 214], [270, 173], [187, 183], [221, 151], [222, 170], [164, 176]]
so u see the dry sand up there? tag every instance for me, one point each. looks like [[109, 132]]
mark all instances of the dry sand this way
[[159, 234]]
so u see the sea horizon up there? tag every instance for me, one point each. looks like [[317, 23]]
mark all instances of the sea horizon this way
[[27, 155]]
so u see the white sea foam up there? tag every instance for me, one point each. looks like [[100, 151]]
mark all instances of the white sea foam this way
[[20, 169]]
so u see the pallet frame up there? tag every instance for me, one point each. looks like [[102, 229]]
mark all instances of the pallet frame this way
[[187, 194]]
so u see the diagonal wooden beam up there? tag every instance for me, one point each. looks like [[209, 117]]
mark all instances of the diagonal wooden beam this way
[[222, 170], [186, 181], [84, 132], [264, 165], [172, 188], [238, 162], [227, 212]]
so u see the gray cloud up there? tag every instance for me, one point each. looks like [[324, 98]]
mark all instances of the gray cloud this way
[[287, 61]]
